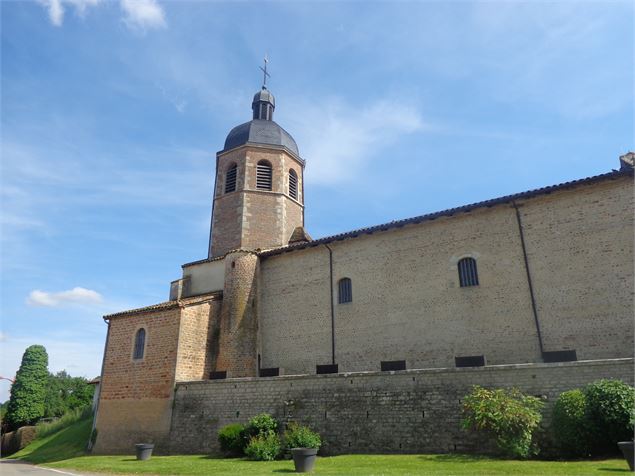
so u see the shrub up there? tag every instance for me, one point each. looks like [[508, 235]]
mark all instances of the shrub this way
[[259, 425], [264, 447], [610, 413], [507, 414], [26, 404], [298, 436], [231, 439], [569, 423]]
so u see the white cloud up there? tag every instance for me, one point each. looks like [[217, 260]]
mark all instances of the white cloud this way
[[143, 14], [3, 336], [138, 14], [55, 9], [76, 295], [343, 139]]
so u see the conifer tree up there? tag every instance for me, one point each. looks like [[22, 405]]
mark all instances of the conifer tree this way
[[26, 404]]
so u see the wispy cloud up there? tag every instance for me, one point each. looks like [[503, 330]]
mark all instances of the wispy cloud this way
[[344, 138], [73, 296], [138, 14], [56, 8], [143, 14]]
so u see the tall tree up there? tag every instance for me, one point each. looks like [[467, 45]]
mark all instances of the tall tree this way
[[26, 404], [65, 393]]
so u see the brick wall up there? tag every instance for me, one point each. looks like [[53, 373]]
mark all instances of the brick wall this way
[[135, 402], [416, 411]]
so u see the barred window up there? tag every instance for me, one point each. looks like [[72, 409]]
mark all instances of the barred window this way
[[263, 175], [293, 184], [230, 178], [468, 276], [139, 344], [345, 289]]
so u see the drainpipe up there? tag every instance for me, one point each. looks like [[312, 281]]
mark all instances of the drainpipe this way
[[529, 282], [332, 305], [89, 447]]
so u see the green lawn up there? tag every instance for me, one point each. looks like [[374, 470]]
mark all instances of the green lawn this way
[[64, 449]]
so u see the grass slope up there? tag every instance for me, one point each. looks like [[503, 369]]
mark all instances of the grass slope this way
[[66, 443], [65, 449]]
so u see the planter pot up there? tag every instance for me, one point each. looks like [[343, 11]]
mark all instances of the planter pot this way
[[627, 450], [304, 459], [144, 451]]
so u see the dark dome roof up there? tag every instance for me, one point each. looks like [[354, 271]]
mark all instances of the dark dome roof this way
[[260, 131]]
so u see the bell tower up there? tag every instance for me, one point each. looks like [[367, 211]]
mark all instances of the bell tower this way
[[259, 191]]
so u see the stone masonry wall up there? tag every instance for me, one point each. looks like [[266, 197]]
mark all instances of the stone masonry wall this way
[[408, 305], [196, 338], [399, 412]]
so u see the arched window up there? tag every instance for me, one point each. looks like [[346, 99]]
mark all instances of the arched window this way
[[139, 344], [293, 184], [468, 276], [345, 291], [230, 178], [263, 175]]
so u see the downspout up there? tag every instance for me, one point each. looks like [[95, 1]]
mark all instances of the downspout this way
[[89, 447], [332, 305], [211, 220], [529, 282]]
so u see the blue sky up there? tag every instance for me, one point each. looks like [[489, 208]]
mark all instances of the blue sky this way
[[112, 112]]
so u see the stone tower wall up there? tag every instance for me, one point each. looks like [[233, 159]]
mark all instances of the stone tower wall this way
[[238, 326], [250, 218]]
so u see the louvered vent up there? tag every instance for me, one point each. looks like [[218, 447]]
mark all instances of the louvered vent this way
[[263, 176], [230, 179], [293, 184]]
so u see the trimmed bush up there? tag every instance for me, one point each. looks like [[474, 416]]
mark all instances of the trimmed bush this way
[[509, 415], [231, 439], [26, 404], [264, 447], [610, 414], [298, 436], [569, 424]]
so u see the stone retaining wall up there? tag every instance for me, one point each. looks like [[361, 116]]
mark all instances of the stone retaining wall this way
[[412, 411]]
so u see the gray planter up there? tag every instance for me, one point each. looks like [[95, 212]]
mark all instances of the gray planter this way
[[626, 447], [304, 459], [144, 451]]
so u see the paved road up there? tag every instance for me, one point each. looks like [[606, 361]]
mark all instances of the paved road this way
[[12, 467]]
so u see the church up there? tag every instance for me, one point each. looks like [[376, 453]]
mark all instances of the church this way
[[392, 323]]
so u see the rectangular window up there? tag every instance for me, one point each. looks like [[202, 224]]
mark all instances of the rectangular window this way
[[270, 372], [470, 361], [560, 356], [326, 369], [218, 375], [389, 365]]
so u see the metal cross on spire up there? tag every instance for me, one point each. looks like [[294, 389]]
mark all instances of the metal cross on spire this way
[[265, 74]]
